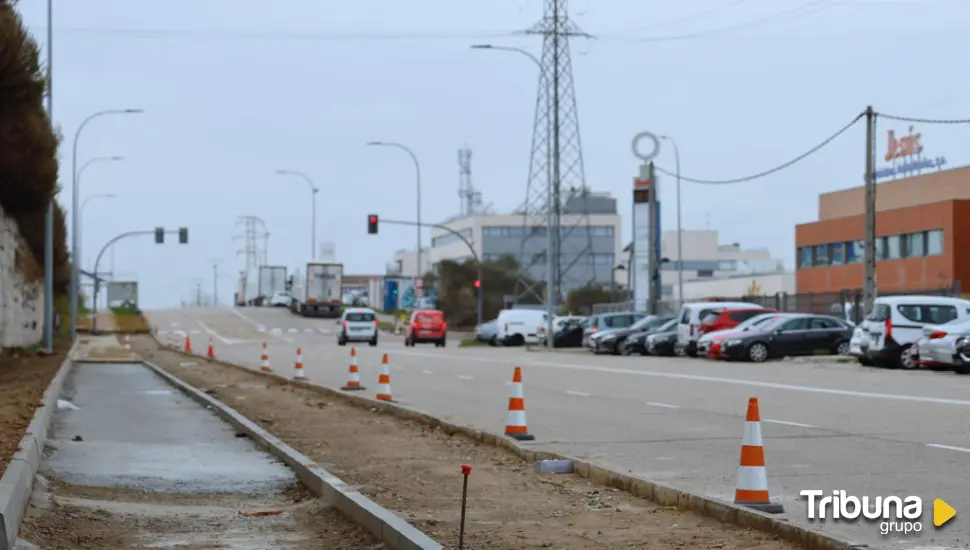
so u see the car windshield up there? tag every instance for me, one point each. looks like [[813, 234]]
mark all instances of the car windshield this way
[[359, 317], [668, 326], [770, 324], [643, 323], [756, 321]]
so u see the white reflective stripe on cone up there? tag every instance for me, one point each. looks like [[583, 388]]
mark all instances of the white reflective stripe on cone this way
[[752, 478], [516, 390], [752, 434], [516, 418]]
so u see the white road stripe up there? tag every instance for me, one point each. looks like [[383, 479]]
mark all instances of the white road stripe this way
[[948, 447], [175, 324], [464, 377], [195, 331], [786, 423], [308, 330], [426, 371], [293, 330], [578, 393], [662, 405], [715, 379], [163, 332]]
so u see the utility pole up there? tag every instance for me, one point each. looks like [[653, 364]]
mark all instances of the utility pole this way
[[215, 285], [198, 294], [49, 216], [869, 288]]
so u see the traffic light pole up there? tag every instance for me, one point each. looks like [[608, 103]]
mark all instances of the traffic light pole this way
[[97, 262], [480, 310]]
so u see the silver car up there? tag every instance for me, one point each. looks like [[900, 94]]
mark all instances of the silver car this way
[[944, 346], [487, 332]]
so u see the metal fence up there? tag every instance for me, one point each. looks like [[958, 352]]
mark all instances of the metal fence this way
[[847, 303]]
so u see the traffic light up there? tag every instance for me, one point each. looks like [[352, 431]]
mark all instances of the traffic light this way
[[159, 235], [183, 235], [372, 224], [478, 284]]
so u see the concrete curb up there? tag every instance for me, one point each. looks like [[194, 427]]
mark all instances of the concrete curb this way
[[650, 490], [18, 479], [390, 529]]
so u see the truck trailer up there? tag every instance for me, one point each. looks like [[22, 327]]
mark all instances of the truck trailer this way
[[321, 290], [247, 292], [272, 279]]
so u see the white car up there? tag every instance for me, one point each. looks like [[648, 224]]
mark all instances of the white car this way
[[281, 299], [896, 323], [357, 324], [945, 346]]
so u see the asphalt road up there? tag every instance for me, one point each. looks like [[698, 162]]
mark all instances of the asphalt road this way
[[826, 426]]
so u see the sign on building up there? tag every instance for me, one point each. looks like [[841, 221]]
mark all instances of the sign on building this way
[[121, 292], [906, 155]]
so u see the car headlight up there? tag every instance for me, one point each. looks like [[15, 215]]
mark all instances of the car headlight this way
[[608, 338], [735, 342]]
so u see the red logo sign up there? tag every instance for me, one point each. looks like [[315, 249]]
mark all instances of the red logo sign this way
[[903, 147]]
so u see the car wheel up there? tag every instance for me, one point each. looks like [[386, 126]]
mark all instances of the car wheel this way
[[341, 342], [865, 362], [373, 342], [517, 340], [907, 358], [442, 342], [493, 342], [842, 348], [758, 352], [680, 351], [623, 348]]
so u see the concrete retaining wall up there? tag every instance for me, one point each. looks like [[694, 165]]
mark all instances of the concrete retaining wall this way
[[21, 305]]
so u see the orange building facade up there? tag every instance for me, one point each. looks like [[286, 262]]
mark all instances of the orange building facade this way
[[922, 237]]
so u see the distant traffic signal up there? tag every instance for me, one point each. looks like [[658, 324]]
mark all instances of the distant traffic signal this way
[[183, 235], [372, 224], [159, 235], [478, 284]]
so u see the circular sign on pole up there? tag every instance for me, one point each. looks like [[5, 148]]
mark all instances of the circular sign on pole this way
[[646, 157]]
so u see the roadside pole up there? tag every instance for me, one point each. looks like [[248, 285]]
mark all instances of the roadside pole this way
[[869, 288]]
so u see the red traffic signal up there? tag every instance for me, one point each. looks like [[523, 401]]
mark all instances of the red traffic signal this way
[[478, 284], [372, 224]]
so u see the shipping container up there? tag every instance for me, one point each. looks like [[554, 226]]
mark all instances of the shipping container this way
[[322, 290], [272, 279]]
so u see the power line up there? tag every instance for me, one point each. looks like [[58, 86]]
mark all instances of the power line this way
[[687, 17], [206, 34], [924, 120], [791, 162]]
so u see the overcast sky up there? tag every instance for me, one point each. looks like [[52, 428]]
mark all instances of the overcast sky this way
[[234, 90]]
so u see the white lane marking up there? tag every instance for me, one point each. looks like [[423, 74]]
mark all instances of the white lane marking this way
[[578, 393], [195, 331], [948, 447], [293, 330], [714, 379], [275, 331], [464, 377], [215, 334], [426, 371], [323, 331], [395, 367], [308, 330], [175, 324], [662, 405], [787, 423], [163, 332], [259, 327]]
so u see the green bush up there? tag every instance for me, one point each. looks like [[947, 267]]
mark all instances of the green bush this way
[[28, 149]]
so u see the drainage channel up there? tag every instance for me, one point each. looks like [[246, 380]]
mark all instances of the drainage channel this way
[[133, 463]]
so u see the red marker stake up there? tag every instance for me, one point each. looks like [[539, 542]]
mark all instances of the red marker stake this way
[[466, 470]]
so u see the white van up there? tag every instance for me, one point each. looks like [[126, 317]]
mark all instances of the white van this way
[[691, 315], [519, 326], [896, 324]]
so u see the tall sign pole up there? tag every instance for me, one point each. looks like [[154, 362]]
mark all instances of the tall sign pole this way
[[646, 228], [869, 287]]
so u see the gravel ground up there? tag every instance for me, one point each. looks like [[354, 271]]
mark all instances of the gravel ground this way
[[415, 472]]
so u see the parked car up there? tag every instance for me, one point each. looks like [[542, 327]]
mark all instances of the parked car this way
[[692, 315], [633, 339], [609, 321], [571, 334], [943, 345], [706, 344], [800, 334], [281, 299], [487, 332], [728, 319], [357, 324], [664, 340], [558, 323], [517, 327], [896, 324], [427, 325]]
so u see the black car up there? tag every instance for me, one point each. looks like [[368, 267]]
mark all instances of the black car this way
[[617, 341], [662, 341], [790, 336], [570, 335]]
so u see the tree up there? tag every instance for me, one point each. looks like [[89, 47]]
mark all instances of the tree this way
[[581, 300], [458, 296], [28, 148]]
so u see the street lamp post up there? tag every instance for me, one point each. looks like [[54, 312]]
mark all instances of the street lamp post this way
[[75, 242], [85, 204], [417, 169], [680, 234], [551, 256], [313, 207]]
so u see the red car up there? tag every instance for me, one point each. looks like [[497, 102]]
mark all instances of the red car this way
[[427, 325], [730, 318]]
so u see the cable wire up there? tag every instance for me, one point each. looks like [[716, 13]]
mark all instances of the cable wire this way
[[791, 162], [283, 35], [687, 17], [924, 120]]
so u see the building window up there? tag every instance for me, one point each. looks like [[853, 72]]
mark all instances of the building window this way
[[821, 255], [451, 239], [727, 265], [916, 244], [601, 259], [881, 248], [705, 273], [602, 231], [805, 256], [934, 242], [836, 254], [894, 247], [855, 251]]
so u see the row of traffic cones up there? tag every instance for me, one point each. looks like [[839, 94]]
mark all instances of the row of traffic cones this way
[[751, 488]]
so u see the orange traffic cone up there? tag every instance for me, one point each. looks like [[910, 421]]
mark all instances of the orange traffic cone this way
[[127, 342], [752, 485], [211, 352], [264, 359], [384, 382], [353, 376], [188, 344], [299, 365], [515, 427]]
